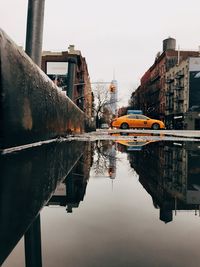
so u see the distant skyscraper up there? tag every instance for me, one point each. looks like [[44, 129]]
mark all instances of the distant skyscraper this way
[[113, 97]]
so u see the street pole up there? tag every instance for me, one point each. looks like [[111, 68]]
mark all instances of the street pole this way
[[34, 30], [32, 242], [71, 77], [34, 38]]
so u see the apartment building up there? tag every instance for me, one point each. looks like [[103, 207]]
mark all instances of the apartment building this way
[[68, 69], [152, 94], [182, 91]]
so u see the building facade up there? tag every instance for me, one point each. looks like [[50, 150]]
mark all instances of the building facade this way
[[154, 95], [68, 69], [183, 95]]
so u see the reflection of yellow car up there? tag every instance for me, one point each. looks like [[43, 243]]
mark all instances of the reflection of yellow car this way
[[134, 144], [137, 121]]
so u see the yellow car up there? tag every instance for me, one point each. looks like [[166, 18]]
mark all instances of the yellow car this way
[[137, 121]]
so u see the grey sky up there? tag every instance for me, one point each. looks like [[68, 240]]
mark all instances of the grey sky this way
[[112, 35]]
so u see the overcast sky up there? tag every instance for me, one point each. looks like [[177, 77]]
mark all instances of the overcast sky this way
[[114, 36]]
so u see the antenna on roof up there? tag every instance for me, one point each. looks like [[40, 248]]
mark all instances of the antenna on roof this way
[[178, 59]]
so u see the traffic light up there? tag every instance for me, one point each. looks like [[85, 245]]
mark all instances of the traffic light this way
[[112, 88]]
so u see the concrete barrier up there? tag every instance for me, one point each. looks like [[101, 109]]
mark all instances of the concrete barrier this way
[[32, 107]]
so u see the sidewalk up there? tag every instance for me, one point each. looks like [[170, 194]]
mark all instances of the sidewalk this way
[[177, 133]]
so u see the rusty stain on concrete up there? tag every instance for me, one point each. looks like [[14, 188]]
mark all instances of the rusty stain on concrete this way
[[27, 115], [41, 111]]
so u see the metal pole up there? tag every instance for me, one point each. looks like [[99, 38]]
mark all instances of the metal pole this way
[[71, 76], [32, 238], [34, 30]]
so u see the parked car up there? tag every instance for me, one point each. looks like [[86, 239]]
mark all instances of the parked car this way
[[104, 126], [137, 121]]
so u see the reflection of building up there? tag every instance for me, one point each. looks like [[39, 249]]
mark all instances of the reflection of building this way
[[28, 180], [71, 191], [105, 159], [76, 184], [111, 153], [170, 174]]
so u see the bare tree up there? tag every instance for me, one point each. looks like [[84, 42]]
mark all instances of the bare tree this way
[[101, 100]]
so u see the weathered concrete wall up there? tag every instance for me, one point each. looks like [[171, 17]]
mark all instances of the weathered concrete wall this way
[[32, 108]]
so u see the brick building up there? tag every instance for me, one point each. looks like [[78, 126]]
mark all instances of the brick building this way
[[69, 69], [183, 95], [151, 95]]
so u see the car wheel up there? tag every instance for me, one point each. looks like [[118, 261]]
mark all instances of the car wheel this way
[[155, 126], [124, 126]]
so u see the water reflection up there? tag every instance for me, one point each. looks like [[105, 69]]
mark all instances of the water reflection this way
[[72, 189], [58, 175], [28, 180], [105, 160], [170, 172]]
